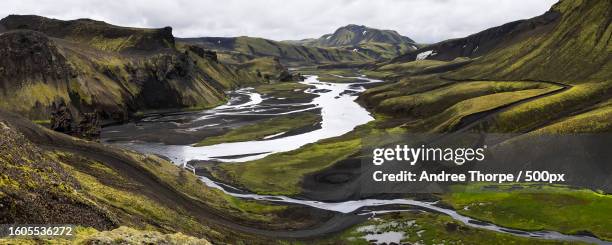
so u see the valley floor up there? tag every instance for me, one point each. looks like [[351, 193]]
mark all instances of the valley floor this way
[[269, 176]]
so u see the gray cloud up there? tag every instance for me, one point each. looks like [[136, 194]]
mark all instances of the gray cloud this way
[[422, 20]]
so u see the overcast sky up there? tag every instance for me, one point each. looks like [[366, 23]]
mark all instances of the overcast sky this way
[[424, 21]]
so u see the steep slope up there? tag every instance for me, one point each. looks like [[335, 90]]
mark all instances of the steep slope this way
[[93, 66], [483, 42], [123, 235], [355, 35], [94, 33], [36, 189], [577, 49], [48, 177], [567, 56], [288, 54]]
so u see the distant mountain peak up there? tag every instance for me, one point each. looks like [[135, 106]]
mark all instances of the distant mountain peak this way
[[355, 35]]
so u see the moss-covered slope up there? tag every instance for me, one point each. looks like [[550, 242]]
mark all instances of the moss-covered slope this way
[[55, 178], [375, 43], [483, 42], [353, 35], [94, 33], [93, 66], [287, 53], [577, 49], [569, 46], [36, 189]]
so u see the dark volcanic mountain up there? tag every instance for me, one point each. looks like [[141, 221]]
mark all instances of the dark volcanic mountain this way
[[571, 43], [379, 44], [482, 42], [355, 35], [88, 66], [95, 33]]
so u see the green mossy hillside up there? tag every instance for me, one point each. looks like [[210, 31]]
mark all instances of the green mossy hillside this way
[[561, 209], [121, 235], [116, 71], [266, 128], [97, 34], [287, 53], [576, 50]]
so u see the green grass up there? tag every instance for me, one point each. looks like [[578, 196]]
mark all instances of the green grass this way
[[453, 115], [126, 235], [435, 101], [109, 188], [121, 235], [287, 90], [42, 122], [385, 50], [593, 121], [267, 66], [112, 44], [547, 109], [255, 211], [23, 99], [348, 72], [261, 129], [429, 228], [228, 75], [411, 66], [403, 87], [574, 50], [336, 79], [139, 205], [281, 174], [538, 208], [190, 185], [296, 53]]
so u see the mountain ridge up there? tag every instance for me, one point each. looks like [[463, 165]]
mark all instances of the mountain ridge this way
[[377, 43], [94, 33], [237, 48], [354, 35], [481, 42], [94, 67]]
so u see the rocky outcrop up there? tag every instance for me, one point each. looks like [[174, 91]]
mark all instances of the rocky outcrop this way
[[287, 76], [31, 66], [36, 72], [75, 123], [95, 33], [26, 53], [53, 68], [203, 53], [89, 126], [61, 119]]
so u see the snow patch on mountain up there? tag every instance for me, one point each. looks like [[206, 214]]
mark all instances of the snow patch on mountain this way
[[424, 55]]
